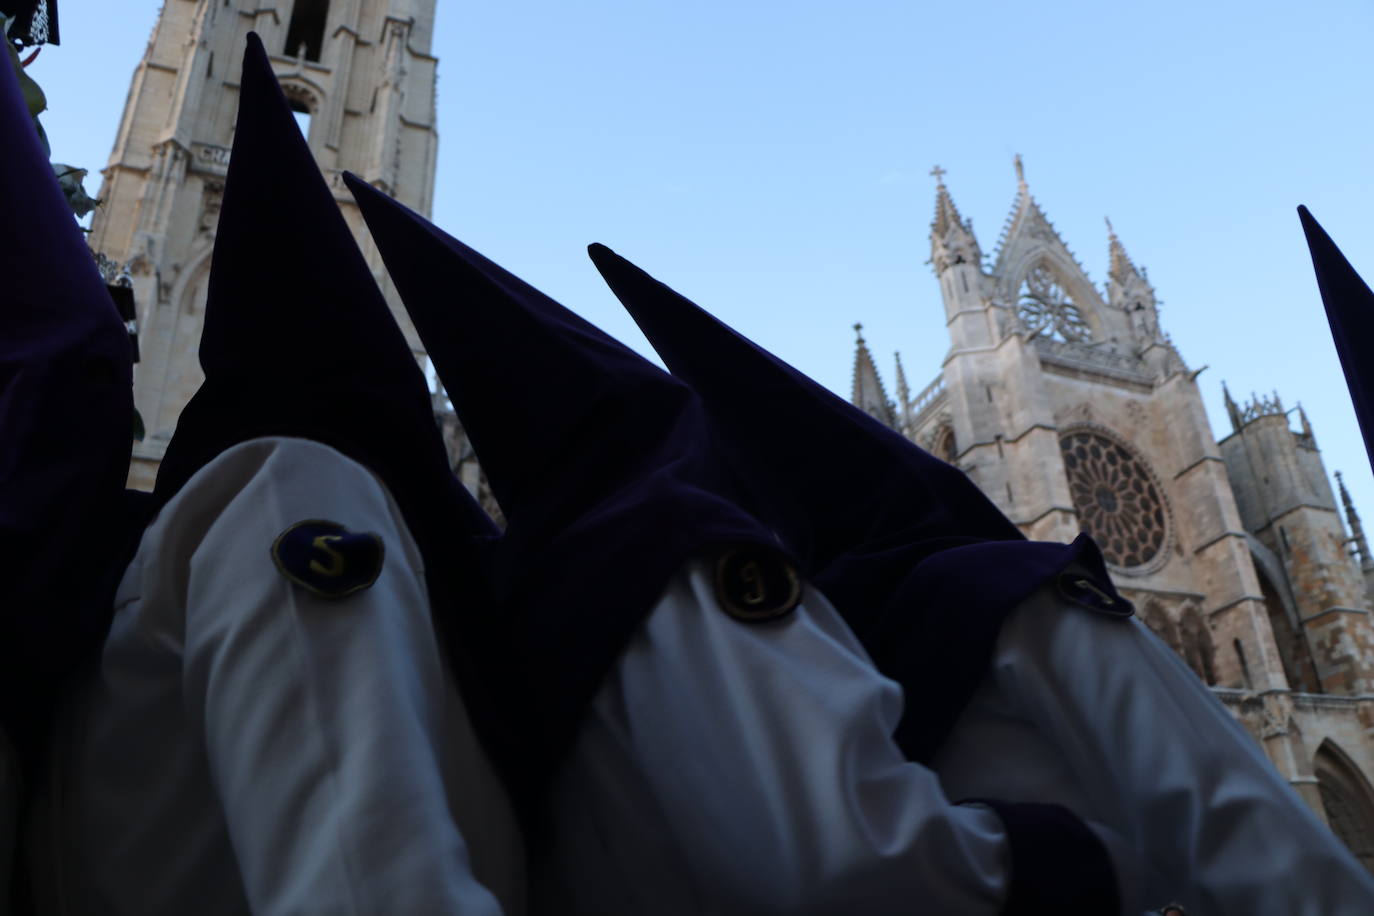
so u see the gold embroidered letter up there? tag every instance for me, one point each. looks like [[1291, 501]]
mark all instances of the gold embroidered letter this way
[[336, 560]]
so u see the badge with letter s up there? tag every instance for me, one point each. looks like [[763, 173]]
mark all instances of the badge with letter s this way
[[327, 559], [755, 584]]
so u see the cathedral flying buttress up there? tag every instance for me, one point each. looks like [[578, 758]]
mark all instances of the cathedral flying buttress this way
[[1071, 408]]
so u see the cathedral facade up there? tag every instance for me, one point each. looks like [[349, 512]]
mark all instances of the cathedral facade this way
[[1072, 410]]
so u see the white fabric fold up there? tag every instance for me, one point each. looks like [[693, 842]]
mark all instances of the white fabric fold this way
[[1098, 715], [247, 746], [728, 768]]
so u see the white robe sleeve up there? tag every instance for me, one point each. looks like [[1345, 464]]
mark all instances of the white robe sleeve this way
[[321, 738], [729, 768], [1098, 715]]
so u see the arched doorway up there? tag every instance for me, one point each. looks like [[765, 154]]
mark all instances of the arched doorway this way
[[1348, 800]]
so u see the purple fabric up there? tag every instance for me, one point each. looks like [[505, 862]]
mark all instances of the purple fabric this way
[[920, 563], [66, 426], [1350, 311], [298, 341], [1058, 865], [604, 465]]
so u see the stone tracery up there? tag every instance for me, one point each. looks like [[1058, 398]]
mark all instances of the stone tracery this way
[[1045, 307], [1116, 498]]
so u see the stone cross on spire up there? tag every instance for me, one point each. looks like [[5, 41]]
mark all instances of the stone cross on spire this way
[[939, 174], [859, 331]]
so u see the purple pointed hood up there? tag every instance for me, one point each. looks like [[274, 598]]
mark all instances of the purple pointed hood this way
[[920, 563], [604, 464], [66, 420], [298, 341], [1350, 311]]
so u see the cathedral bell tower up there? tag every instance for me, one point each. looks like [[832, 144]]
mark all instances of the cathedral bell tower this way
[[361, 78]]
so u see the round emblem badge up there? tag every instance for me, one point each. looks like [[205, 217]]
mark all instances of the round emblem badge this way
[[1096, 597], [327, 559], [756, 585]]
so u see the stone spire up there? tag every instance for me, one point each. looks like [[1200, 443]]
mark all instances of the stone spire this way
[[903, 393], [946, 213], [1356, 529], [1129, 290], [1232, 409], [1027, 219], [1120, 267], [868, 393], [1306, 426], [951, 236]]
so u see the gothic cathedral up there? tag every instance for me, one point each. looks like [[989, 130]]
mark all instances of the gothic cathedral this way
[[1073, 411], [362, 81]]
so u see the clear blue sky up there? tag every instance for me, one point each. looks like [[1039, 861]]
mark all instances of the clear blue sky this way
[[771, 160]]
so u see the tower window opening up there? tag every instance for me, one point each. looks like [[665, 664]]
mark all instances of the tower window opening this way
[[301, 112], [305, 34], [1244, 668]]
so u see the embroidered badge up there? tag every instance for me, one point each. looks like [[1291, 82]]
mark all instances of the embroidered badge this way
[[1096, 597], [326, 558], [756, 585]]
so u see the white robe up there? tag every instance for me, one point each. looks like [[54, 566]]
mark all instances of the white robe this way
[[726, 768], [1102, 717], [248, 747]]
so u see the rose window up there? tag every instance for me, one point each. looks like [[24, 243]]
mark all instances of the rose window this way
[[1046, 309], [1116, 497]]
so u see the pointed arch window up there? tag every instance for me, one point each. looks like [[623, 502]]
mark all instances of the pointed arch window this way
[[1153, 615], [305, 34], [1294, 653], [1348, 800], [1198, 650], [944, 447], [1046, 309]]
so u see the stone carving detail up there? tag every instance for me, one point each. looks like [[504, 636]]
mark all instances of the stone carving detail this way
[[213, 194], [930, 398], [1046, 310], [206, 157], [1261, 406], [940, 441], [1093, 358], [301, 95], [1117, 499]]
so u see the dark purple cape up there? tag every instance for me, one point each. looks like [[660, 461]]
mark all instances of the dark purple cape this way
[[66, 429]]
